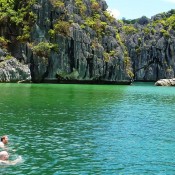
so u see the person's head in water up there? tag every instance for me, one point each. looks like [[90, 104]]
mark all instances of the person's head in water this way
[[4, 139], [4, 155]]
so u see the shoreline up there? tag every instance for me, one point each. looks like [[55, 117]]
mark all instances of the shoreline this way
[[93, 82]]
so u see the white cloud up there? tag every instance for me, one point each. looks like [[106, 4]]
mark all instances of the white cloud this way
[[114, 12], [172, 1]]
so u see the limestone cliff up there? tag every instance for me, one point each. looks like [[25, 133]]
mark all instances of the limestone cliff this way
[[80, 40], [13, 71], [64, 39], [151, 46]]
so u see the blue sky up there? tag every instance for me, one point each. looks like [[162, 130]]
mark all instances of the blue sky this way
[[131, 9]]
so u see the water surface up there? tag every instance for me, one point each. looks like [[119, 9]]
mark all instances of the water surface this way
[[89, 129]]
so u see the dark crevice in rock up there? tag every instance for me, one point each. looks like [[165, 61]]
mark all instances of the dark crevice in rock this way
[[71, 55]]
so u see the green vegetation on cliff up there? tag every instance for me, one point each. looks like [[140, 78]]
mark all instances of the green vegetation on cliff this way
[[19, 17], [150, 44], [43, 49], [57, 3], [91, 41]]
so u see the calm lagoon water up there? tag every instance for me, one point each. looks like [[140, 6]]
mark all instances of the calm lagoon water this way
[[89, 129]]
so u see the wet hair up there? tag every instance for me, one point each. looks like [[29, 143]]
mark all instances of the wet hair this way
[[2, 138]]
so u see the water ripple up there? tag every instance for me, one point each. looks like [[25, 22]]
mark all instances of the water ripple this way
[[89, 129]]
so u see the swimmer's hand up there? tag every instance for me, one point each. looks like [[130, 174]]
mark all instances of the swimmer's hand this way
[[19, 158]]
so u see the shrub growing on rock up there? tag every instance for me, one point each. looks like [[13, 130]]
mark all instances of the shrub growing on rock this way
[[62, 27], [43, 48]]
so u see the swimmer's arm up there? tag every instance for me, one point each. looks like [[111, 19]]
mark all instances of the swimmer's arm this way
[[2, 146], [8, 162], [12, 162], [4, 162], [15, 161]]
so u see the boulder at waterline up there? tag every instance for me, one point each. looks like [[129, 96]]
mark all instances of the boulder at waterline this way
[[13, 71], [165, 82]]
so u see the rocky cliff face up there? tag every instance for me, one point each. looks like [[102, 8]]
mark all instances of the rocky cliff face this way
[[69, 40], [151, 46], [80, 40], [13, 71]]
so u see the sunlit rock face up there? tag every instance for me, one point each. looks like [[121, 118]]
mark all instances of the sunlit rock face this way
[[86, 44], [165, 82], [80, 40], [155, 59], [13, 71], [152, 47]]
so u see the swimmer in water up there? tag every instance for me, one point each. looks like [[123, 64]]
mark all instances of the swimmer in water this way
[[4, 155], [4, 141], [4, 159]]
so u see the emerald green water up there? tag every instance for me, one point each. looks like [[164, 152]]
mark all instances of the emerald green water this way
[[89, 129]]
